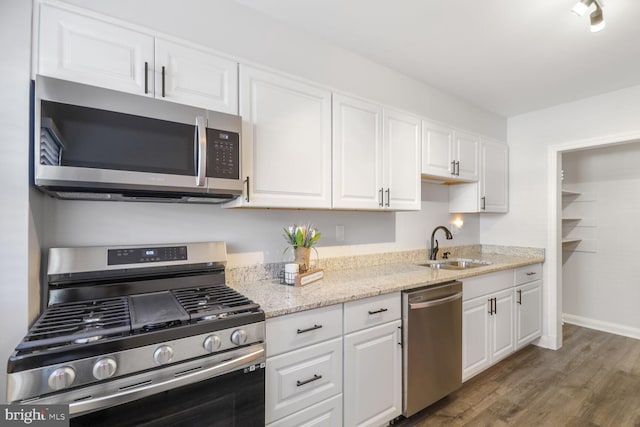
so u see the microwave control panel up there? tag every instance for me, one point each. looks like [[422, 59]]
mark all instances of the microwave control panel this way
[[223, 154], [138, 255]]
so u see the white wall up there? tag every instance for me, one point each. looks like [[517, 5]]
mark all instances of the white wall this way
[[602, 288], [252, 235], [529, 137], [15, 38]]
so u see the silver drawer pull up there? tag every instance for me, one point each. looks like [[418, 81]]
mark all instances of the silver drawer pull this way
[[313, 328], [310, 380], [382, 310], [531, 273]]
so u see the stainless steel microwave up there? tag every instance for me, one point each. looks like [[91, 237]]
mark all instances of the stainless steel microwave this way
[[97, 144]]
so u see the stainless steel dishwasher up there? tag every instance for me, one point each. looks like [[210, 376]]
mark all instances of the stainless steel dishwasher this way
[[432, 344]]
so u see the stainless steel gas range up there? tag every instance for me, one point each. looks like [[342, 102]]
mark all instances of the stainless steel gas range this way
[[144, 336]]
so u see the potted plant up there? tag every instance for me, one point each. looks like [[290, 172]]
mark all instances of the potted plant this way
[[301, 238]]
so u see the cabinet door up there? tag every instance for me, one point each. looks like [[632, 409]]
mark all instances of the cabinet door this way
[[301, 378], [401, 161], [502, 323], [195, 77], [466, 152], [327, 413], [286, 141], [494, 177], [357, 154], [528, 313], [475, 336], [373, 375], [437, 150], [94, 52]]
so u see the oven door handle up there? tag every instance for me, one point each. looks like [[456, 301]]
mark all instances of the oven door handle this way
[[146, 389]]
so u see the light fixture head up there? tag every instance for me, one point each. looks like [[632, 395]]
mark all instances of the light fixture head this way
[[597, 20], [581, 7]]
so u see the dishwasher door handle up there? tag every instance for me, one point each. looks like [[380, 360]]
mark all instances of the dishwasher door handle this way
[[435, 302]]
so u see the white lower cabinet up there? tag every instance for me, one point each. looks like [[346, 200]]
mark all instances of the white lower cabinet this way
[[327, 413], [528, 312], [501, 313], [373, 375], [302, 378]]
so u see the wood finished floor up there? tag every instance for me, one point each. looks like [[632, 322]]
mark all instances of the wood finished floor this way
[[593, 380]]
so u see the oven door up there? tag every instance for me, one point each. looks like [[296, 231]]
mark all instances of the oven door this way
[[233, 399], [224, 389]]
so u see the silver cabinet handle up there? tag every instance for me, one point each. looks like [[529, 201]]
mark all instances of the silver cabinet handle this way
[[146, 77], [458, 168], [201, 143], [453, 167], [247, 182], [435, 302], [531, 273], [519, 296], [382, 310], [388, 197], [483, 205], [381, 197], [163, 74]]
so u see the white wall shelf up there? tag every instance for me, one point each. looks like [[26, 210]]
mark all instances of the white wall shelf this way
[[570, 193], [570, 240]]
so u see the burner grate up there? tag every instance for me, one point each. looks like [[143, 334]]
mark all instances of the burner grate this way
[[214, 302], [78, 322]]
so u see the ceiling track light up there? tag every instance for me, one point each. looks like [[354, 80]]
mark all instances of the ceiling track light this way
[[596, 16]]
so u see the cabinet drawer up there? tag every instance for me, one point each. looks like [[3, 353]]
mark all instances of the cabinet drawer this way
[[297, 330], [373, 311], [327, 413], [474, 287], [303, 378], [528, 274]]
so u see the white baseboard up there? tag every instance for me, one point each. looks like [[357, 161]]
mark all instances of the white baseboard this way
[[547, 341], [613, 328]]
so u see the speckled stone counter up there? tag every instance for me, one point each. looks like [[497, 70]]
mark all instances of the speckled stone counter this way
[[351, 284]]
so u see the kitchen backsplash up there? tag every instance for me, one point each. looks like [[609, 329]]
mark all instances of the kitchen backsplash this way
[[270, 271]]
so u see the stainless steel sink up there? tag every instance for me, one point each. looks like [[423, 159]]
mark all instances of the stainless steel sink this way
[[456, 264]]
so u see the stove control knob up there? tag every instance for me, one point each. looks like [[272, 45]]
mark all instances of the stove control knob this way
[[239, 337], [212, 343], [104, 368], [163, 355], [62, 378]]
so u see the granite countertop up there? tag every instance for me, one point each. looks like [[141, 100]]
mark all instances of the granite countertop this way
[[352, 284]]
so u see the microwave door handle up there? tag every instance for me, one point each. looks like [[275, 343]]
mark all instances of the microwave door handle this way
[[200, 142]]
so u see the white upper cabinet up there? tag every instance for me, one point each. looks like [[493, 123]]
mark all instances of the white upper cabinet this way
[[491, 192], [466, 155], [494, 176], [401, 160], [90, 51], [286, 141], [376, 156], [193, 76], [437, 150], [449, 153], [357, 154], [106, 53]]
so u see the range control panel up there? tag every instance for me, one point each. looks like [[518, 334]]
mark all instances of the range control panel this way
[[147, 254]]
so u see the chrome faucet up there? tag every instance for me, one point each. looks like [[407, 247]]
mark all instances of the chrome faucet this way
[[434, 249]]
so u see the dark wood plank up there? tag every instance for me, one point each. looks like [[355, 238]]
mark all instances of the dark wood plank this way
[[593, 380]]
